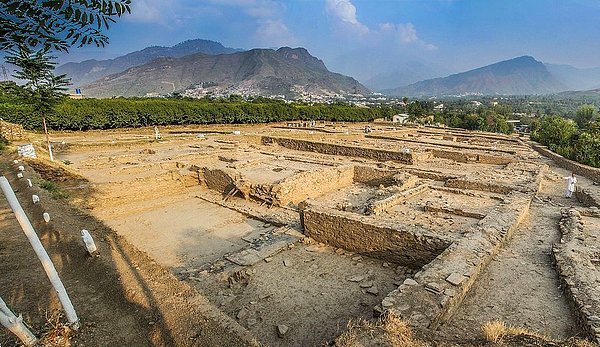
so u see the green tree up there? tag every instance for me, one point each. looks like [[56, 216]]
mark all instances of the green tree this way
[[43, 89], [57, 24], [585, 115], [557, 133]]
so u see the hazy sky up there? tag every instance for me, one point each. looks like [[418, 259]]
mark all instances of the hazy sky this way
[[365, 37]]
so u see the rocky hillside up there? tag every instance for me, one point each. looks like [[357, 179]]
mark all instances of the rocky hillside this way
[[518, 76], [91, 70], [286, 71]]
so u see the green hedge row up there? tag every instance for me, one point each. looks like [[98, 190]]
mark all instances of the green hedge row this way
[[89, 114]]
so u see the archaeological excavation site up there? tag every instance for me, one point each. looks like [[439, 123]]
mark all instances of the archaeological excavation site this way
[[299, 234]]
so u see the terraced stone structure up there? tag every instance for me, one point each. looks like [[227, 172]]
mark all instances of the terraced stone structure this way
[[291, 232]]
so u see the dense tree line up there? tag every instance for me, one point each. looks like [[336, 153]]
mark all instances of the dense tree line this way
[[462, 115], [88, 114], [578, 140]]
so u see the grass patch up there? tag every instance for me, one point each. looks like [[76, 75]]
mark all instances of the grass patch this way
[[390, 331], [54, 189]]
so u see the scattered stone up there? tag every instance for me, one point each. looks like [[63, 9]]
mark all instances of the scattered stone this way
[[314, 267], [251, 321], [357, 278], [434, 287], [366, 284], [386, 264], [313, 248], [388, 302], [357, 258], [339, 251], [242, 313], [450, 292], [410, 282], [282, 329], [373, 290], [455, 278], [287, 262], [268, 259]]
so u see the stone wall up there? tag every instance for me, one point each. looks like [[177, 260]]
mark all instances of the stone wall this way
[[11, 132], [443, 144], [379, 206], [432, 296], [311, 184], [576, 263], [344, 150], [580, 169], [465, 183], [588, 196], [374, 177], [372, 237], [221, 180], [465, 157]]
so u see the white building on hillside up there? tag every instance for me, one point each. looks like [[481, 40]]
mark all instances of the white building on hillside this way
[[400, 118]]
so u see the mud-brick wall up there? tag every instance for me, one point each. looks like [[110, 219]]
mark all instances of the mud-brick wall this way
[[11, 131], [581, 169], [356, 234], [373, 176], [472, 157], [221, 180], [311, 184], [336, 149]]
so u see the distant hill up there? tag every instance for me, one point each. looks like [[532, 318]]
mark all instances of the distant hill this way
[[91, 70], [285, 71], [575, 78], [591, 95], [519, 76], [404, 74]]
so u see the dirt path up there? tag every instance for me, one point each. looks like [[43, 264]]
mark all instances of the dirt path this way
[[520, 286]]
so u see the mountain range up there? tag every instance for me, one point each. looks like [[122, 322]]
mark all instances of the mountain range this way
[[91, 70], [199, 67], [286, 71], [519, 76]]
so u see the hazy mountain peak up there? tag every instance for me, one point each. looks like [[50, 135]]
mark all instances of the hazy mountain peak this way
[[90, 70], [286, 71], [518, 76]]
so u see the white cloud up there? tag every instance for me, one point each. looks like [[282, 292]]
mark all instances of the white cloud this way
[[148, 11], [408, 33], [274, 33], [405, 33], [343, 12]]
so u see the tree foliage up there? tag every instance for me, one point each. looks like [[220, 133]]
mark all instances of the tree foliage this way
[[57, 24], [43, 89], [585, 115], [89, 114]]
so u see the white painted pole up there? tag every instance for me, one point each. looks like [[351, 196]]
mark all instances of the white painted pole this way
[[15, 325], [40, 251]]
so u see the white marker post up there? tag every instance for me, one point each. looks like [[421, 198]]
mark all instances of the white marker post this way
[[15, 325], [41, 252]]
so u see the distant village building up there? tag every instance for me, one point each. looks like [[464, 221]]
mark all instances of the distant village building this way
[[439, 107], [77, 94], [400, 118]]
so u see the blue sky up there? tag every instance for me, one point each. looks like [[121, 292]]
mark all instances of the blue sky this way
[[366, 37]]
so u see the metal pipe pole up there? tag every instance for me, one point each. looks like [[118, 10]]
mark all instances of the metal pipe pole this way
[[15, 325], [40, 251]]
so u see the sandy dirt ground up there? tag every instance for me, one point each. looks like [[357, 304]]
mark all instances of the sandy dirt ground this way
[[165, 275]]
